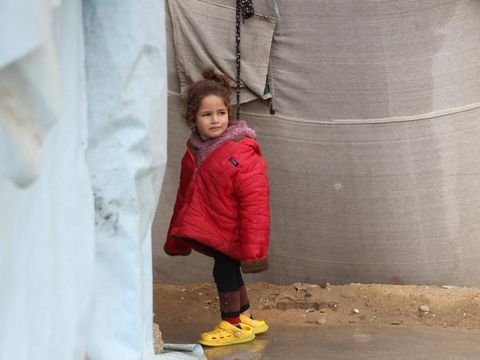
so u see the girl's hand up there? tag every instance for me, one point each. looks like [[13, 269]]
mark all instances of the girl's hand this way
[[255, 266], [176, 250]]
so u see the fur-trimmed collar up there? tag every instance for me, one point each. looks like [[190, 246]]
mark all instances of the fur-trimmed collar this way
[[205, 147]]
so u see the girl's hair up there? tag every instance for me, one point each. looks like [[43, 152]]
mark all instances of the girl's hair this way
[[212, 84]]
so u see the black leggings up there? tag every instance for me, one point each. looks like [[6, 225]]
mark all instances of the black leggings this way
[[226, 272]]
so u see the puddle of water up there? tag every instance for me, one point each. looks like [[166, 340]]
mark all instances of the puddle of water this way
[[189, 333], [340, 343], [248, 351]]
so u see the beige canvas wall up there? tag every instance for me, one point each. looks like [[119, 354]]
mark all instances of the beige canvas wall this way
[[373, 150]]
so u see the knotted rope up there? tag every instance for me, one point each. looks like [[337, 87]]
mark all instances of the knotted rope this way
[[244, 11]]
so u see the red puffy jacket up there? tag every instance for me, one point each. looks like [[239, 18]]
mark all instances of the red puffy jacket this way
[[223, 203]]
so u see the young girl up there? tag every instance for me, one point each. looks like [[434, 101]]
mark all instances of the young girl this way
[[222, 207]]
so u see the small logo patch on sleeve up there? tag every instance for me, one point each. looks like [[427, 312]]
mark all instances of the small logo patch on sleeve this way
[[233, 161]]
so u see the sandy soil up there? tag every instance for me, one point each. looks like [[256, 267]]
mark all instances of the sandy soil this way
[[327, 305]]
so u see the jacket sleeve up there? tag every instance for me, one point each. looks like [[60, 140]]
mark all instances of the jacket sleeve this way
[[252, 190], [174, 246]]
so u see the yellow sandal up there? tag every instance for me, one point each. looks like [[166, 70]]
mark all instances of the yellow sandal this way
[[226, 334], [257, 326]]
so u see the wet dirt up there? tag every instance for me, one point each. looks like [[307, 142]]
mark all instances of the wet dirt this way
[[327, 305]]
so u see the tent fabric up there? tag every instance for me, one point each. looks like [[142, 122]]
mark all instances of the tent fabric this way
[[205, 28], [373, 150], [82, 156], [375, 59], [47, 229], [29, 88]]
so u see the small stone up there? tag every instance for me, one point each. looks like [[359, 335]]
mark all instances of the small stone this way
[[395, 323], [424, 308], [449, 287], [321, 321], [299, 286], [325, 285], [356, 311], [157, 339], [333, 305]]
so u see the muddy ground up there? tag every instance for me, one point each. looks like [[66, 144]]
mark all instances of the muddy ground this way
[[328, 305]]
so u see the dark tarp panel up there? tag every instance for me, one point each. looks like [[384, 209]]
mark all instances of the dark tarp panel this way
[[204, 35]]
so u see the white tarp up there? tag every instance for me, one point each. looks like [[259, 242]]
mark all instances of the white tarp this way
[[29, 85], [47, 231], [82, 157]]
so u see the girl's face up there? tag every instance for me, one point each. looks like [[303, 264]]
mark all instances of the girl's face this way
[[212, 117]]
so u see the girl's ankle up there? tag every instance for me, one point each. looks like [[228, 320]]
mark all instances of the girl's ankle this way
[[248, 314], [232, 320]]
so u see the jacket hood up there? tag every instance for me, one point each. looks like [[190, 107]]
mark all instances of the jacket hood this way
[[203, 148]]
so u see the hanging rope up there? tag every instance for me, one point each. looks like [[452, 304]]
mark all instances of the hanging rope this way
[[244, 11]]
